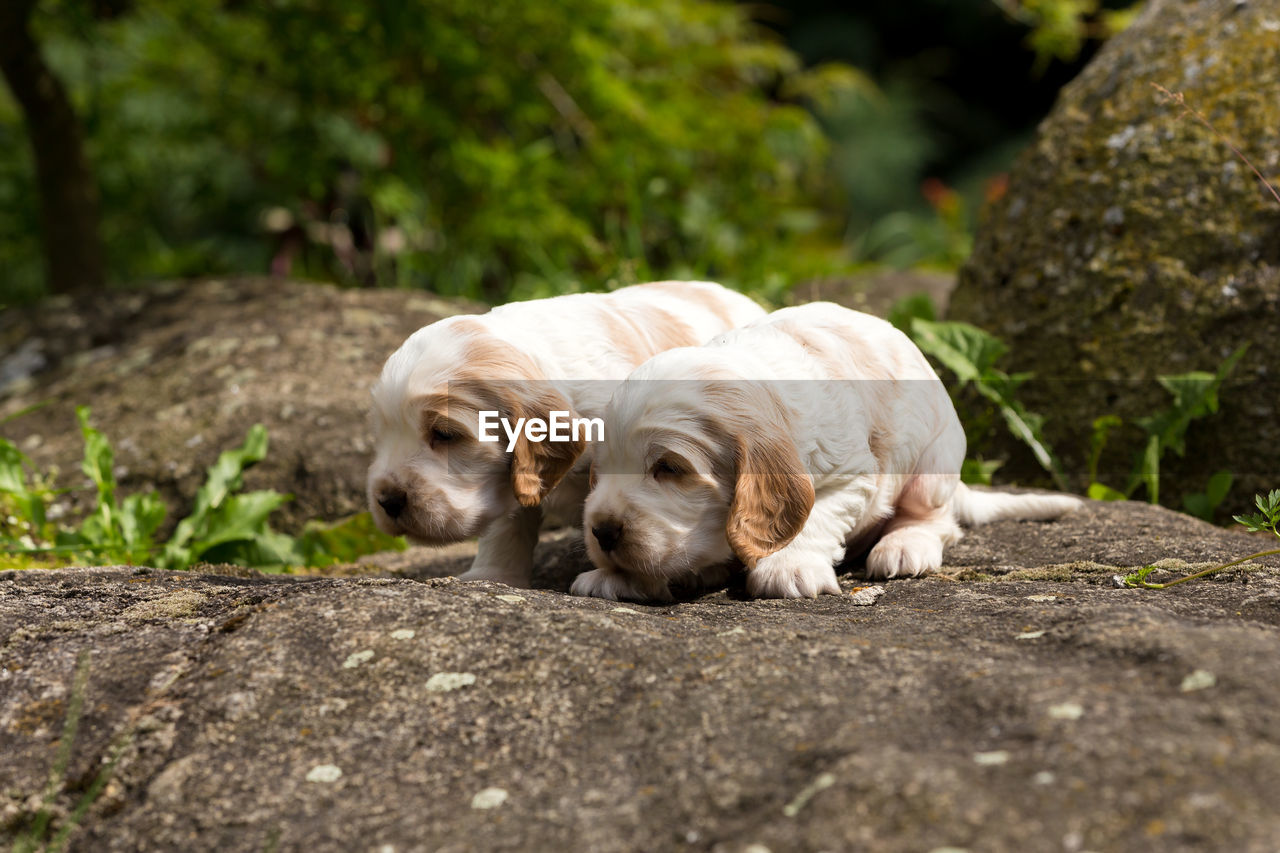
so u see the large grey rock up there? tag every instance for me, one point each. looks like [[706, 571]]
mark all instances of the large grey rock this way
[[1018, 703], [1133, 243], [178, 373]]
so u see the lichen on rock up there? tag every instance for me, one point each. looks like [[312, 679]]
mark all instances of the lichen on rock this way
[[1133, 243]]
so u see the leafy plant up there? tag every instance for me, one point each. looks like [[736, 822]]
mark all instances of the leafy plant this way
[[1265, 520], [971, 354], [224, 526], [1059, 29], [227, 527], [1195, 395]]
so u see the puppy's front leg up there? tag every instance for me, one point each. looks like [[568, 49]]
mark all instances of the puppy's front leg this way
[[805, 568], [506, 549]]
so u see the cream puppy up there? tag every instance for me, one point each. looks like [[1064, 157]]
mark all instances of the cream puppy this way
[[433, 480], [782, 445]]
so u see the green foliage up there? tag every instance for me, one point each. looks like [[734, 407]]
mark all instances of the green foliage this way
[[971, 354], [342, 542], [225, 525], [1195, 395], [1060, 28], [487, 149], [979, 471], [114, 530], [1266, 520], [908, 308], [1204, 505], [1267, 517]]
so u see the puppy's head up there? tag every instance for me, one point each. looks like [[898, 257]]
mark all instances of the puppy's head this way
[[693, 474], [432, 479]]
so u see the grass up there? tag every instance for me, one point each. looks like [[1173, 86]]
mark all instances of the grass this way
[[40, 834]]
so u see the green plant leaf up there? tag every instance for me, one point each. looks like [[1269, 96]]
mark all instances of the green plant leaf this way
[[1102, 428], [916, 306], [1027, 428], [965, 350], [1103, 492], [345, 541], [222, 478], [140, 516], [13, 475]]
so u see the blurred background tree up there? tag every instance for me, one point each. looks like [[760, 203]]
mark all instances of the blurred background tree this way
[[513, 149]]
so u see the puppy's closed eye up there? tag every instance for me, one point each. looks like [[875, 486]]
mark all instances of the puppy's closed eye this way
[[668, 468], [440, 436]]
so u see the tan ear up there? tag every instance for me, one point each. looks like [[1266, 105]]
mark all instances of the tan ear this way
[[537, 466], [772, 497]]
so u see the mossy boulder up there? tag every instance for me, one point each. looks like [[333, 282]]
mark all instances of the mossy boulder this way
[[1134, 243]]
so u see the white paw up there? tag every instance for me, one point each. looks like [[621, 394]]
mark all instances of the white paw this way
[[906, 553], [783, 575], [518, 579], [599, 583]]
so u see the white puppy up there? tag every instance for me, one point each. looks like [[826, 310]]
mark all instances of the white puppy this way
[[782, 444], [435, 482]]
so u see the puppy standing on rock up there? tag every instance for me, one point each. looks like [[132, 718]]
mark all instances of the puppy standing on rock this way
[[435, 481], [783, 444]]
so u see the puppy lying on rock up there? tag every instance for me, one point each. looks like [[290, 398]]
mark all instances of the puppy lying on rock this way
[[783, 445], [439, 475]]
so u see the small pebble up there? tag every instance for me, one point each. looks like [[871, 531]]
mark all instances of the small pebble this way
[[1201, 679], [403, 634], [1042, 598], [489, 798], [443, 682], [624, 610], [866, 596], [511, 599], [1044, 777], [324, 773], [356, 658], [1066, 711], [1030, 635], [991, 759]]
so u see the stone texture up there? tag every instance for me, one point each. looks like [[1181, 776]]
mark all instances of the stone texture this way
[[1018, 702], [1133, 243], [177, 373]]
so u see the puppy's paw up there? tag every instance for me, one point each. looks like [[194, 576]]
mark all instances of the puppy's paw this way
[[906, 552], [518, 579], [783, 575], [600, 583]]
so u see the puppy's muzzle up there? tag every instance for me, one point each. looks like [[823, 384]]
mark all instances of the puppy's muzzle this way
[[608, 534]]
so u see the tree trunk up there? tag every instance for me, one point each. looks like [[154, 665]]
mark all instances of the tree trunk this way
[[68, 194]]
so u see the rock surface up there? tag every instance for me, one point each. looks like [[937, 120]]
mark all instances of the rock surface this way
[[1133, 243], [1019, 702], [174, 375]]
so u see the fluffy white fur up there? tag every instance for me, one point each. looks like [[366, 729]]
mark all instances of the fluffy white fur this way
[[434, 482], [811, 432]]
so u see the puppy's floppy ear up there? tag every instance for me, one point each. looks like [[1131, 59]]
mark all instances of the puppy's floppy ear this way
[[772, 497], [537, 466]]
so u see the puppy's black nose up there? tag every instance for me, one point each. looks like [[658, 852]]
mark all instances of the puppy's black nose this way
[[393, 502], [607, 533]]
